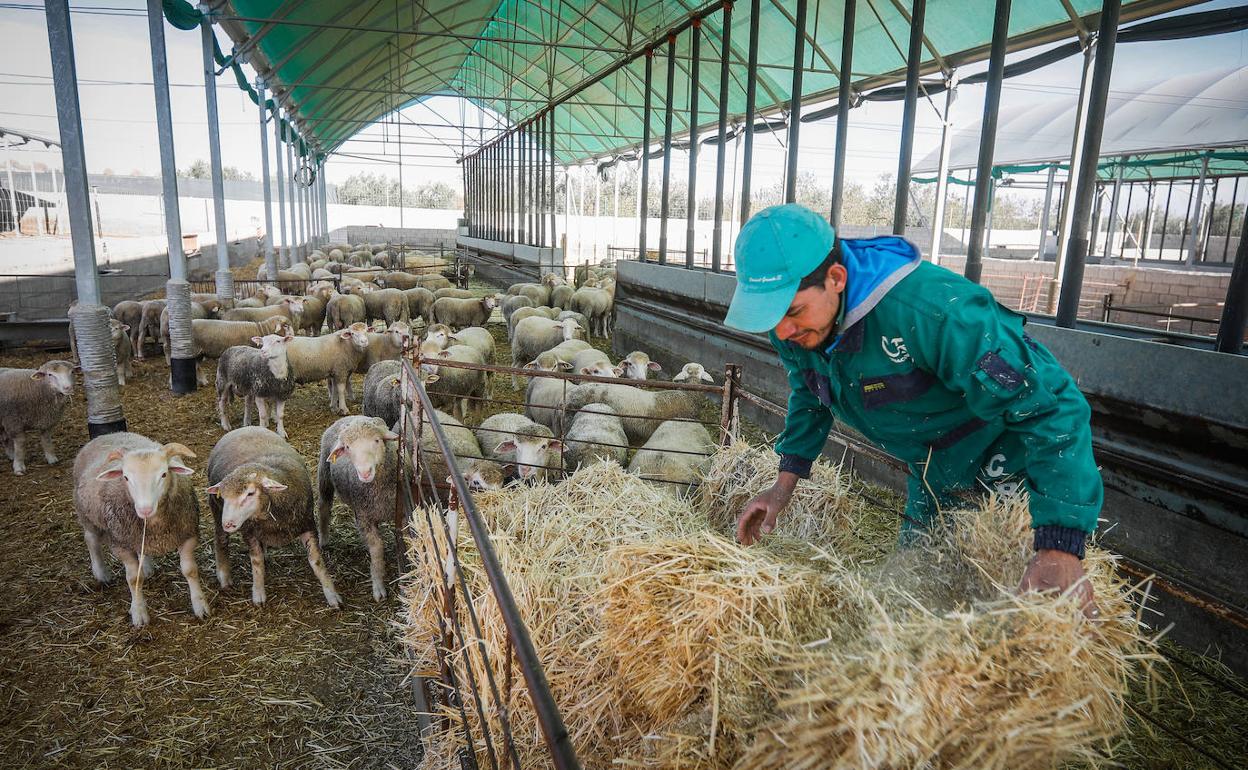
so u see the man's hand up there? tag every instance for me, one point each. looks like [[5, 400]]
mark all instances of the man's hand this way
[[758, 517], [1051, 570]]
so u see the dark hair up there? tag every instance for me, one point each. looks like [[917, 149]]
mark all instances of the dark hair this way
[[816, 276]]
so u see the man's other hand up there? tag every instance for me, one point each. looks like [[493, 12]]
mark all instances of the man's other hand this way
[[758, 517], [1051, 570]]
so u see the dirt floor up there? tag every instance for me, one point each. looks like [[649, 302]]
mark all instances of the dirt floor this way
[[293, 683]]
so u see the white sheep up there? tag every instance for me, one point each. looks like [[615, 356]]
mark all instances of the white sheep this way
[[344, 310], [419, 301], [33, 399], [135, 496], [596, 434], [331, 357], [456, 386], [429, 460], [458, 313], [536, 335], [638, 366], [539, 293], [475, 337], [210, 337], [511, 438], [596, 305], [529, 312], [512, 303], [568, 349], [640, 410], [123, 352], [595, 363], [261, 489], [676, 455], [544, 395]]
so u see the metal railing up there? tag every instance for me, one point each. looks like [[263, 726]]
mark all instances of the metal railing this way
[[1168, 315], [458, 687]]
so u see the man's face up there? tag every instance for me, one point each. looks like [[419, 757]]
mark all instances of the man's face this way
[[812, 314]]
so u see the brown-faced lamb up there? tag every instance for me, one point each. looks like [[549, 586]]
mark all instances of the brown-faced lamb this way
[[509, 438], [365, 482], [262, 376], [33, 400], [331, 357], [135, 496], [261, 489], [596, 434]]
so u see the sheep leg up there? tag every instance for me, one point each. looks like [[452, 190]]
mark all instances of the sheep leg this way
[[376, 561], [262, 411], [19, 453], [325, 506], [121, 374], [317, 562], [220, 542], [257, 572], [49, 453], [138, 606], [279, 410], [98, 568], [247, 402], [333, 394], [223, 399], [344, 390], [8, 446], [149, 567], [190, 570]]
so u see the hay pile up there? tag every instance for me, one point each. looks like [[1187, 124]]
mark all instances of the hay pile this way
[[666, 644]]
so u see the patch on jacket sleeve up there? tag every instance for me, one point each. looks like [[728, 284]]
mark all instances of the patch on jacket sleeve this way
[[1005, 375]]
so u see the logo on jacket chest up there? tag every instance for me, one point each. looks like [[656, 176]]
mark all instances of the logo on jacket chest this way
[[895, 349]]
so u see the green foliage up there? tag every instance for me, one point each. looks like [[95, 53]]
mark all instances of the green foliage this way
[[369, 189]]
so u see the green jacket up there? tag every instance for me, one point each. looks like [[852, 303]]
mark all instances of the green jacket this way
[[930, 368]]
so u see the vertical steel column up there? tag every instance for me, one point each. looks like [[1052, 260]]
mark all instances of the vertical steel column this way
[[324, 200], [987, 141], [844, 101], [470, 193], [691, 208], [554, 236], [270, 247], [1198, 243], [177, 291], [1146, 234], [942, 172], [8, 170], [751, 103], [1126, 221], [1235, 309], [795, 103], [283, 249], [1230, 218], [225, 279], [721, 152], [643, 192], [1077, 251], [511, 187], [913, 59], [521, 184], [1044, 211], [296, 245], [1165, 221], [1067, 201], [1110, 226], [42, 212], [667, 148], [91, 328]]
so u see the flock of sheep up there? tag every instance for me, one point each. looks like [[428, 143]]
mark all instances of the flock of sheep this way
[[135, 496]]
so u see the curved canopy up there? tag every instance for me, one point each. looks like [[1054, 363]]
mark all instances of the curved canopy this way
[[342, 65]]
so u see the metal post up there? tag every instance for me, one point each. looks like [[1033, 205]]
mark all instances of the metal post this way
[[283, 248], [721, 152], [522, 182], [1235, 309], [1077, 251], [225, 279], [597, 201], [1044, 212], [268, 246], [643, 192], [795, 103], [1230, 217], [1198, 244], [1165, 221], [554, 238], [41, 212], [295, 254], [1113, 208], [691, 212], [942, 173], [844, 101], [751, 97], [987, 144], [1068, 198], [667, 147], [913, 59], [1146, 239], [1126, 224], [91, 328], [8, 169], [615, 207], [177, 291]]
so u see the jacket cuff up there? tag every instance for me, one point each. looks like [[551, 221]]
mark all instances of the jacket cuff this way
[[795, 464], [1056, 538]]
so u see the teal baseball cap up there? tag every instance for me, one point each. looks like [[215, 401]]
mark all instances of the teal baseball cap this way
[[776, 249]]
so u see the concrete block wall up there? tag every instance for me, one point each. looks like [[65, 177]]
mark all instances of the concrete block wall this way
[[417, 236]]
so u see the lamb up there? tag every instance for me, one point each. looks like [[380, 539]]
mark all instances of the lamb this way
[[383, 392], [595, 363], [596, 434], [122, 349], [290, 307], [210, 302], [33, 399], [578, 317], [385, 345], [440, 335], [539, 293], [130, 313], [529, 312], [567, 350], [419, 301], [463, 445], [261, 376], [561, 295], [458, 313], [321, 274], [536, 335], [399, 280], [149, 325], [434, 281], [331, 357], [641, 411], [666, 457], [261, 489], [483, 475], [513, 303], [637, 365], [456, 293], [134, 496], [513, 438], [314, 307], [388, 304], [475, 337], [366, 483], [210, 337], [544, 395], [456, 386], [595, 304], [344, 310]]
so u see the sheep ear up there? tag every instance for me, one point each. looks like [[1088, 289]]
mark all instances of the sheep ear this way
[[114, 456], [177, 467], [125, 327], [506, 446], [389, 436], [257, 341], [706, 377], [338, 451], [288, 338], [564, 365], [532, 365], [271, 485], [346, 333], [177, 450], [681, 377], [586, 369], [215, 489], [108, 475], [655, 366], [444, 354], [555, 445], [619, 371], [38, 375]]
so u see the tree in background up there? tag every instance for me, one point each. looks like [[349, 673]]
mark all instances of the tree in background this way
[[200, 170], [369, 189]]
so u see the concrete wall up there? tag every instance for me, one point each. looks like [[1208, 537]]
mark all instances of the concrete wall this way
[[416, 236]]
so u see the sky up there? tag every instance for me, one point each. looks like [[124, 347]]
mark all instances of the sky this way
[[114, 70]]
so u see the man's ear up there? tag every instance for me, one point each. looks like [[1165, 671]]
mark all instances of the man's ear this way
[[836, 278]]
